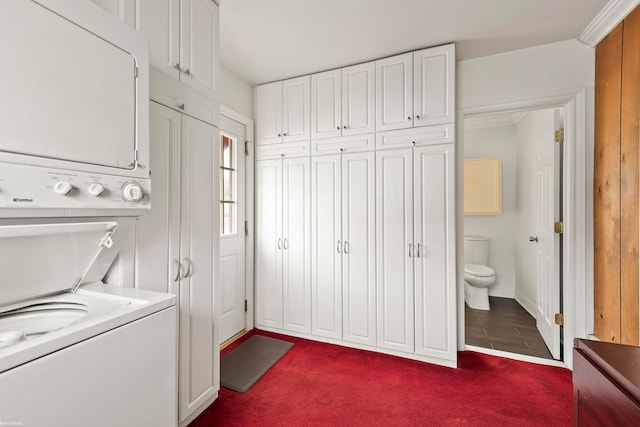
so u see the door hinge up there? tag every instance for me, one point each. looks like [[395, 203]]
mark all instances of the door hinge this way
[[558, 227], [245, 306], [559, 135], [135, 72], [559, 319], [246, 228]]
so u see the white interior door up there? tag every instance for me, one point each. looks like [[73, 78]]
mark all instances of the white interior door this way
[[232, 231], [548, 244]]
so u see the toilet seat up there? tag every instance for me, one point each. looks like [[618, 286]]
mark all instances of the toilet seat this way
[[479, 270]]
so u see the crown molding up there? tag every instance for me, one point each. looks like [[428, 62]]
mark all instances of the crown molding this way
[[606, 20]]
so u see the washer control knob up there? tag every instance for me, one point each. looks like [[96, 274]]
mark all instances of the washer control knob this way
[[62, 187], [132, 192], [96, 189]]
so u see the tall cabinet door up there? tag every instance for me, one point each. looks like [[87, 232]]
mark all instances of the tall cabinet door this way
[[394, 255], [434, 237], [394, 92], [158, 231], [327, 244], [296, 245], [434, 85], [268, 243], [296, 109], [269, 113], [358, 260], [199, 20], [326, 116], [358, 99], [198, 349]]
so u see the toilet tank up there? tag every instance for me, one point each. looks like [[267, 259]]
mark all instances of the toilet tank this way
[[476, 250]]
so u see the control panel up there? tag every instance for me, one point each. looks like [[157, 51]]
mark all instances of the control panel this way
[[26, 187]]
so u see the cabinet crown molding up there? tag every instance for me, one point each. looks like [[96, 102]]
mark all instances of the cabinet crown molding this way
[[611, 15]]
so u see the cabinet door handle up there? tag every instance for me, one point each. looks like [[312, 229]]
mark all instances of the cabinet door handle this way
[[410, 250], [418, 117], [279, 135], [181, 107], [417, 250], [409, 118], [284, 134], [178, 269], [177, 67], [339, 247], [346, 247], [337, 127], [279, 243], [187, 72], [344, 127], [187, 261], [286, 244]]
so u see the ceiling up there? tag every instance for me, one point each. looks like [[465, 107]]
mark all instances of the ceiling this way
[[267, 40]]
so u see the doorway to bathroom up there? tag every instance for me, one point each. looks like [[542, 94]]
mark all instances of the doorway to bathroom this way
[[512, 225]]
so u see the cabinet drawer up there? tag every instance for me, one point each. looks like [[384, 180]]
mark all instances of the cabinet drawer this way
[[415, 136], [283, 149], [343, 144]]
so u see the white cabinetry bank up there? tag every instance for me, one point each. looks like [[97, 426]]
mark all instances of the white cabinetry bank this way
[[355, 215], [177, 242]]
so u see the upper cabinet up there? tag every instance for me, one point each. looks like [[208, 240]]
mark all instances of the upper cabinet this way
[[183, 37], [342, 101], [416, 89], [283, 111]]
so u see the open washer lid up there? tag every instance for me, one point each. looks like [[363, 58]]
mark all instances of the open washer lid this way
[[43, 259]]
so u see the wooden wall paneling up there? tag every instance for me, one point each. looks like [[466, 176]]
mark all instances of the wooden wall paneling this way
[[630, 113], [606, 208]]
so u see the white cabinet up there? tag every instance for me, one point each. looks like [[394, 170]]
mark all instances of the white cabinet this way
[[416, 89], [282, 252], [343, 235], [415, 251], [342, 101], [177, 247], [183, 36], [283, 111]]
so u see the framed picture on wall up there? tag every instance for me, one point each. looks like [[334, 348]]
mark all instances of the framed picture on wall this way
[[483, 186]]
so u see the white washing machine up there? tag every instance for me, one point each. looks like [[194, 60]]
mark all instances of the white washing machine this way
[[74, 353]]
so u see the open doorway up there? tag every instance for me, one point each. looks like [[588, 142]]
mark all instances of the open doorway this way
[[512, 244]]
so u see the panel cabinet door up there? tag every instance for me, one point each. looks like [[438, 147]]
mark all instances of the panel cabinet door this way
[[269, 113], [326, 105], [394, 92], [434, 237], [199, 45], [358, 99], [358, 260], [434, 85], [158, 231], [296, 245], [326, 282], [157, 19], [198, 346], [394, 255], [268, 243], [296, 109]]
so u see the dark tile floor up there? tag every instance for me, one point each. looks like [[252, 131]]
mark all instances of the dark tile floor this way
[[506, 327]]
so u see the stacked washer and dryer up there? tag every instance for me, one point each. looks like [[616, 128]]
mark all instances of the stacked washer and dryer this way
[[74, 160]]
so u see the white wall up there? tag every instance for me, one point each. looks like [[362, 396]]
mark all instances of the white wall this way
[[235, 93], [514, 78], [500, 229]]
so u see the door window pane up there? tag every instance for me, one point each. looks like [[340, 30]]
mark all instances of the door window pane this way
[[228, 179]]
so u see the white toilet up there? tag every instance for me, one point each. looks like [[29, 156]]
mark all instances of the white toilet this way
[[478, 276]]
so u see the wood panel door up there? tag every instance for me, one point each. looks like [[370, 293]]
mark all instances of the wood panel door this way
[[394, 92], [359, 254], [296, 244], [358, 99], [199, 380], [326, 104], [268, 243], [434, 253], [394, 254]]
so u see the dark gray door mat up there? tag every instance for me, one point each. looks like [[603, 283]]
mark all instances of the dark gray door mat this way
[[243, 366]]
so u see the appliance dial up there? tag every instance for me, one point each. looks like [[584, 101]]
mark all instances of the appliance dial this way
[[62, 187], [132, 192], [96, 189]]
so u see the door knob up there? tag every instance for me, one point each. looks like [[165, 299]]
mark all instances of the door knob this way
[[533, 239]]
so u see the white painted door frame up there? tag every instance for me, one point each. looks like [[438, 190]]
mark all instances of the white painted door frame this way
[[578, 282], [249, 208]]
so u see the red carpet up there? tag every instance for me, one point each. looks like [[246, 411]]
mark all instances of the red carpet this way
[[318, 384]]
